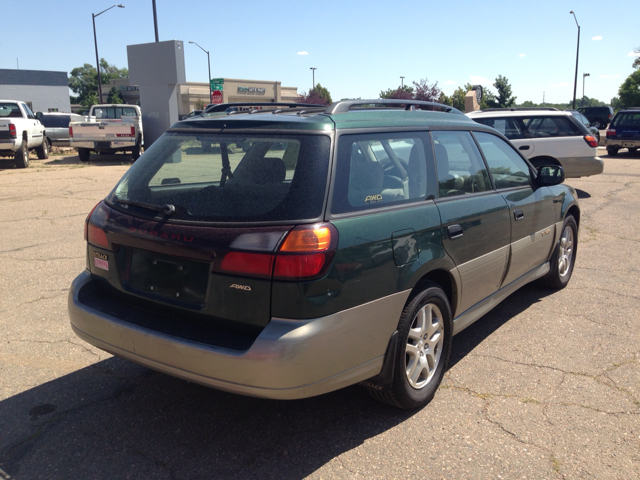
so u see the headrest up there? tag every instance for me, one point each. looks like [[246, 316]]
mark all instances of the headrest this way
[[442, 160], [267, 170]]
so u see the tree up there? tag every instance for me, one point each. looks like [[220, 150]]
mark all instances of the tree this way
[[318, 95], [401, 93], [426, 92], [636, 61], [504, 99], [114, 96], [84, 80], [629, 91], [456, 100]]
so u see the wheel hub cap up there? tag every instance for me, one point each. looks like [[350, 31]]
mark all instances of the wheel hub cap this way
[[424, 346]]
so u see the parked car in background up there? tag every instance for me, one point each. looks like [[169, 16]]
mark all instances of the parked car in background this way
[[546, 136], [599, 115], [346, 245], [108, 128], [57, 126], [195, 113], [21, 131], [624, 131], [593, 128]]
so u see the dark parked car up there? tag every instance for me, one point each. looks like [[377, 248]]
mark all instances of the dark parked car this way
[[624, 131], [347, 245], [600, 115], [195, 113], [585, 121]]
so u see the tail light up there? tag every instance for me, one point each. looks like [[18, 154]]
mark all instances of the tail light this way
[[611, 133], [12, 130], [591, 141], [133, 131], [70, 132], [305, 253], [92, 234]]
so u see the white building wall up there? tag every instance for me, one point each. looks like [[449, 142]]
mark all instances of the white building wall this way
[[41, 97]]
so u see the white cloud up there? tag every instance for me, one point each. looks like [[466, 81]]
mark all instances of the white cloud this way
[[476, 80], [609, 76], [597, 37], [450, 82], [561, 84], [633, 54], [522, 55], [303, 53]]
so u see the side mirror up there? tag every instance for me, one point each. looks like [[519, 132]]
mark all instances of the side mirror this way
[[550, 175]]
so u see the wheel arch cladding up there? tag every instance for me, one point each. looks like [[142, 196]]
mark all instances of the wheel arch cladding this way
[[444, 280]]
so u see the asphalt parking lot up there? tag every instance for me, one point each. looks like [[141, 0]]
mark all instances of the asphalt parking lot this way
[[546, 386]]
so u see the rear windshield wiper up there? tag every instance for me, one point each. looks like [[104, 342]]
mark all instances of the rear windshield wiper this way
[[167, 209]]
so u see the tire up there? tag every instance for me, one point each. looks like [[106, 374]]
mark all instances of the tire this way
[[22, 155], [137, 150], [564, 256], [612, 152], [84, 154], [424, 344], [43, 150]]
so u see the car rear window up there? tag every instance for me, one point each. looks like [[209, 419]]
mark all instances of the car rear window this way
[[114, 112], [229, 178], [630, 119]]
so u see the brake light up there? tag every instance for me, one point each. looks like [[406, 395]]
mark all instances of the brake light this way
[[12, 130], [93, 234], [245, 263], [611, 133], [133, 131], [591, 141], [306, 252], [70, 132]]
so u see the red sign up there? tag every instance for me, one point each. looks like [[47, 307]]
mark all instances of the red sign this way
[[216, 96]]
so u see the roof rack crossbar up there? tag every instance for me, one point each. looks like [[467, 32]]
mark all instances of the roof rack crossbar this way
[[221, 107], [517, 109], [346, 105]]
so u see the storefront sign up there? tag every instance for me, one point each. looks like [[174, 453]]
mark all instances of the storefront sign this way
[[252, 90], [128, 88]]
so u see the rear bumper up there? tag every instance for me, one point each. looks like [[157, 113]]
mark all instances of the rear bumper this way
[[113, 144], [622, 143], [575, 167], [8, 146], [290, 358]]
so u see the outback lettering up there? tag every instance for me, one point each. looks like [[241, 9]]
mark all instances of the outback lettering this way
[[154, 233], [99, 255]]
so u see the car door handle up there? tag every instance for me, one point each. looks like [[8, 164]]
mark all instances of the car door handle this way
[[518, 214], [524, 147], [455, 231]]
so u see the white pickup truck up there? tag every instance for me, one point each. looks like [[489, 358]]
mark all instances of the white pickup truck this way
[[21, 131], [108, 129]]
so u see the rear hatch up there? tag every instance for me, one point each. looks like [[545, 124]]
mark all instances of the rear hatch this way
[[194, 226], [625, 126]]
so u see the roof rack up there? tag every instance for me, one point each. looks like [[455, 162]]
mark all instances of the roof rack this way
[[223, 107], [347, 105], [518, 109]]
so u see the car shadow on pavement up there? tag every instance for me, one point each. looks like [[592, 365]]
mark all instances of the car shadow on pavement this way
[[474, 335], [95, 160], [582, 193]]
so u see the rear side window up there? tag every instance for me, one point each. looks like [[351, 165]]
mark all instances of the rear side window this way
[[507, 167], [551, 126], [627, 120], [461, 170], [230, 178], [382, 169]]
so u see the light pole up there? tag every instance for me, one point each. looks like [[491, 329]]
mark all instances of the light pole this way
[[209, 65], [95, 40], [402, 83], [313, 73], [575, 82], [583, 77]]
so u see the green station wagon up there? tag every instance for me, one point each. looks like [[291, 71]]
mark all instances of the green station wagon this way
[[292, 250]]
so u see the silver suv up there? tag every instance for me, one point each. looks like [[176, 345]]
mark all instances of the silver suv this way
[[546, 136]]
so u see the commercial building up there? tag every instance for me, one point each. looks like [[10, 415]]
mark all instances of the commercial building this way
[[233, 90], [43, 91]]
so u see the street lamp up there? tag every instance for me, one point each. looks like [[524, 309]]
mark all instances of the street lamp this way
[[583, 76], [575, 82], [313, 73], [95, 40], [402, 82], [209, 65]]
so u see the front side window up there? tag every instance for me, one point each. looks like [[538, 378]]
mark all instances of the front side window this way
[[229, 178], [507, 167], [509, 127], [461, 170], [381, 169]]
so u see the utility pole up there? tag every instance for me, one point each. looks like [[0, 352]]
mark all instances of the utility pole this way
[[313, 73]]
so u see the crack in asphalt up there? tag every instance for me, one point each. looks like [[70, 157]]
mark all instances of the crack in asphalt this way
[[52, 342], [44, 259]]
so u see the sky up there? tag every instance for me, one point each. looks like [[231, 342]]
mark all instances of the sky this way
[[359, 48]]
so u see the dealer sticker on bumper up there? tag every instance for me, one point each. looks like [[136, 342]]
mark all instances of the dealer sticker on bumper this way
[[100, 260]]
